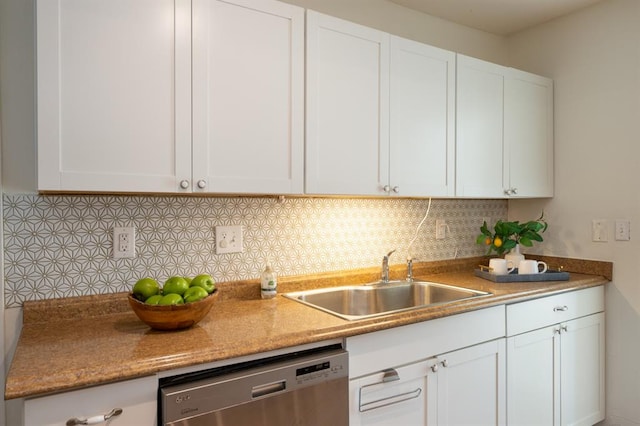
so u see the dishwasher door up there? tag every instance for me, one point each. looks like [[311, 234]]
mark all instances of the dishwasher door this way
[[302, 390]]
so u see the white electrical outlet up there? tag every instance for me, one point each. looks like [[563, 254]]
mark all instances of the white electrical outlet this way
[[229, 239], [124, 242], [441, 229]]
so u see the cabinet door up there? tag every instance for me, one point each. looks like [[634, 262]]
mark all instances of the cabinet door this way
[[392, 397], [555, 375], [248, 96], [533, 380], [422, 119], [472, 385], [582, 401], [113, 95], [347, 135], [528, 134], [479, 122], [136, 398]]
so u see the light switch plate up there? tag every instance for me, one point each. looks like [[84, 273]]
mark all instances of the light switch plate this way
[[623, 230], [229, 239]]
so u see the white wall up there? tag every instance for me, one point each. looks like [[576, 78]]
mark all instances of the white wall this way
[[594, 58]]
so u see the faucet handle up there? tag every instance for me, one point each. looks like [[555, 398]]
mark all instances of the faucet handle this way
[[390, 253], [410, 269]]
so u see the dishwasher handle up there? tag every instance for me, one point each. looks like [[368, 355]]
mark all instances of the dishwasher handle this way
[[267, 389]]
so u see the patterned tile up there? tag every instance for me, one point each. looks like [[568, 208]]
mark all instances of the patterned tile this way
[[58, 246]]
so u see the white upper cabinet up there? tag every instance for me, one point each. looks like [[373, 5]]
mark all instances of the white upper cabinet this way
[[504, 131], [111, 96], [248, 97], [422, 119], [347, 134], [528, 134], [208, 96], [479, 122], [115, 95], [380, 112]]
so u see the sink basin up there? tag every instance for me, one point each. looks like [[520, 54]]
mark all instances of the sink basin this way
[[375, 299]]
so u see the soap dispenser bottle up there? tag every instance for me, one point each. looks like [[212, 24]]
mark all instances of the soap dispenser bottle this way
[[268, 282]]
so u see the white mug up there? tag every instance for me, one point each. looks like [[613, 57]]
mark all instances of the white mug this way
[[499, 267], [529, 266]]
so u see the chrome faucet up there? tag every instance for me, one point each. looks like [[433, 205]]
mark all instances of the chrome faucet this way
[[385, 267]]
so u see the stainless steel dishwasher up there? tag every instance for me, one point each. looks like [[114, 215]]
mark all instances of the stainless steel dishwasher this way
[[306, 388]]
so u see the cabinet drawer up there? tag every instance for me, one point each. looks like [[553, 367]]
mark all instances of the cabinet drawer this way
[[534, 314], [376, 351], [136, 398]]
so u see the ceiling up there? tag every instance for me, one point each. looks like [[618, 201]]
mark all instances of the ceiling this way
[[501, 17]]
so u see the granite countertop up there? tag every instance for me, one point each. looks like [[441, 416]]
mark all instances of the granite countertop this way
[[72, 343]]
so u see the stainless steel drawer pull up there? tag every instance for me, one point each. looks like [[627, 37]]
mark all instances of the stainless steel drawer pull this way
[[95, 419], [561, 308], [390, 400]]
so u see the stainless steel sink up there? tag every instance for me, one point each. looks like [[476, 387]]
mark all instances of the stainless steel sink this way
[[370, 300]]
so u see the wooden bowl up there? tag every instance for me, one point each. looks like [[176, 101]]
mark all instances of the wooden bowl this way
[[172, 317]]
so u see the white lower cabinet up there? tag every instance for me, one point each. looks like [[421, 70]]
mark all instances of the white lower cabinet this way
[[448, 371], [136, 398], [555, 374]]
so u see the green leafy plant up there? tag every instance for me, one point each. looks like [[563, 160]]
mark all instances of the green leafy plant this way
[[506, 235]]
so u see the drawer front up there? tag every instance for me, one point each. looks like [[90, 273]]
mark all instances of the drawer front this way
[[538, 313], [372, 352], [137, 398]]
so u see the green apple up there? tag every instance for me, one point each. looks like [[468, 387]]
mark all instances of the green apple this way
[[205, 281], [176, 285], [153, 300], [171, 299], [195, 293], [145, 288]]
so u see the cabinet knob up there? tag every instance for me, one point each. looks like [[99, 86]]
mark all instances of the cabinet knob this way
[[386, 188], [434, 367], [564, 328], [396, 189], [101, 418], [202, 184], [445, 363], [184, 184]]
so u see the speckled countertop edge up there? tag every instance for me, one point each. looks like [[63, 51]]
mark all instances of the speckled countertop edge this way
[[91, 340]]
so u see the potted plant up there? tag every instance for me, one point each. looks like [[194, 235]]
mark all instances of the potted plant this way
[[508, 235]]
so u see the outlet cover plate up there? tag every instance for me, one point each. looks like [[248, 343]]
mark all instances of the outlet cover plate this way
[[229, 239], [124, 242]]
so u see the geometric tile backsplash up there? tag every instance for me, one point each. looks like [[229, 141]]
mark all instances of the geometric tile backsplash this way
[[61, 245]]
